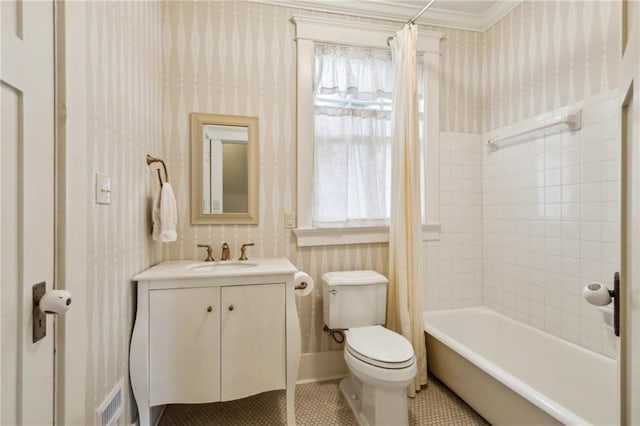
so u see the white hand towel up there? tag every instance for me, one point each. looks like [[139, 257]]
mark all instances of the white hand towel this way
[[168, 214], [155, 215]]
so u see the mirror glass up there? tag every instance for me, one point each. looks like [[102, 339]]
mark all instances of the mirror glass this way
[[224, 169]]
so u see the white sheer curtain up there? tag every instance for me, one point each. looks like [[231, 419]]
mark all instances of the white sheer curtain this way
[[352, 148], [404, 294]]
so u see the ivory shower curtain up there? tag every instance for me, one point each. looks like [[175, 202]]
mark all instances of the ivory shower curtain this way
[[404, 298]]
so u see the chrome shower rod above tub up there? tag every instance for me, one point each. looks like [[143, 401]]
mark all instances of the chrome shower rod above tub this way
[[413, 20]]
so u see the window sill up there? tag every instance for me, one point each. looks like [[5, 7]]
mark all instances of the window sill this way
[[309, 237]]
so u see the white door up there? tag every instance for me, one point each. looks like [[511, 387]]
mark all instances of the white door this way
[[26, 207]]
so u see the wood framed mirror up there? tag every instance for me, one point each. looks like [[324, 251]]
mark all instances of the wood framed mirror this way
[[224, 169]]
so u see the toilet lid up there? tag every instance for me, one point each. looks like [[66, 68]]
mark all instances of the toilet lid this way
[[380, 347]]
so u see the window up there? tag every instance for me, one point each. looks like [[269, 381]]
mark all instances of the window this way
[[344, 131], [352, 136]]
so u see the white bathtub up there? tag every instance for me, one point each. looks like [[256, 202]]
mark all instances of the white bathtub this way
[[512, 373]]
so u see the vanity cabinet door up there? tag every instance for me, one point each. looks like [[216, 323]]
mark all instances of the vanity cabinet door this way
[[184, 345], [253, 340]]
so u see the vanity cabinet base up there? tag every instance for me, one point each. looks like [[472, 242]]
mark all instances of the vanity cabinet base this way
[[202, 340]]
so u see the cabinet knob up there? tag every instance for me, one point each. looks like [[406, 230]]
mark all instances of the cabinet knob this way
[[231, 307], [209, 308]]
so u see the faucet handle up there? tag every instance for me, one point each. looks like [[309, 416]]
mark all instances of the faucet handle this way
[[243, 251], [209, 252]]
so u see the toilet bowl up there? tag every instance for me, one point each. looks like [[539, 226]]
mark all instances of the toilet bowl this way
[[381, 365]]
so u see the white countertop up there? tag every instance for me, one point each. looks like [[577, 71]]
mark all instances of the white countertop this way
[[180, 269]]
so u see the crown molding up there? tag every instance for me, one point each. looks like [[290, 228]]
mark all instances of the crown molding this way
[[401, 12], [468, 21], [499, 11], [336, 31]]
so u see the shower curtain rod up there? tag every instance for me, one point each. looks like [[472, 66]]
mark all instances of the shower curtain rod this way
[[413, 20]]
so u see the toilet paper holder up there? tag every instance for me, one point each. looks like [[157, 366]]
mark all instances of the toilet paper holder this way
[[301, 286], [599, 295]]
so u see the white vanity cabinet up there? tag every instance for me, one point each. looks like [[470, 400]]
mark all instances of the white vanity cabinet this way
[[184, 345], [255, 363], [217, 335]]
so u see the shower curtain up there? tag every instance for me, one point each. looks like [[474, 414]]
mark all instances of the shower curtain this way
[[404, 307]]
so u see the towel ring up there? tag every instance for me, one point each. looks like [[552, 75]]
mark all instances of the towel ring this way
[[151, 160]]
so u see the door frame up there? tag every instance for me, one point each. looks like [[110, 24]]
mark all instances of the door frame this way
[[629, 86], [72, 191], [59, 208]]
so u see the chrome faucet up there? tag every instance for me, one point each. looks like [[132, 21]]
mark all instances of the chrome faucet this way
[[243, 251], [226, 253], [209, 252]]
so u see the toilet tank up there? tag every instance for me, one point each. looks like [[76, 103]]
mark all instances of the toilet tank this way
[[353, 299]]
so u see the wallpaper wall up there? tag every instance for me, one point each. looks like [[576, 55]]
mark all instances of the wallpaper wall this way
[[231, 58], [547, 54], [149, 64], [123, 96], [239, 58], [462, 104]]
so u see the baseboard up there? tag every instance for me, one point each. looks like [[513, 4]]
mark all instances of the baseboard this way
[[320, 366]]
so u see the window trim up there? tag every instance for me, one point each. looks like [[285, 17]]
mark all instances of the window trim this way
[[308, 237], [311, 30]]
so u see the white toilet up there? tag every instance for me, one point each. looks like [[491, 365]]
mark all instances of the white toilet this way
[[381, 363]]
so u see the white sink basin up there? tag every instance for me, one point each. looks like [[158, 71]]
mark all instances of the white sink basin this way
[[221, 265]]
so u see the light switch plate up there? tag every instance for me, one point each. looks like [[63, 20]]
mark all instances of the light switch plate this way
[[103, 188], [289, 220]]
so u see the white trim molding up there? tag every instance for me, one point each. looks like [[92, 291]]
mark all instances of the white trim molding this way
[[398, 12], [311, 30], [336, 31], [469, 21], [321, 366], [355, 235]]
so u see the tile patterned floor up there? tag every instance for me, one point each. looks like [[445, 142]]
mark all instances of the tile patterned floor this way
[[319, 404]]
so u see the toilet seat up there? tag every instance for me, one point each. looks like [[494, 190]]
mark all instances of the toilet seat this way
[[380, 347]]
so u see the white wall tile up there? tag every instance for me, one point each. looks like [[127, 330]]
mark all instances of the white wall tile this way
[[454, 265], [562, 235]]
